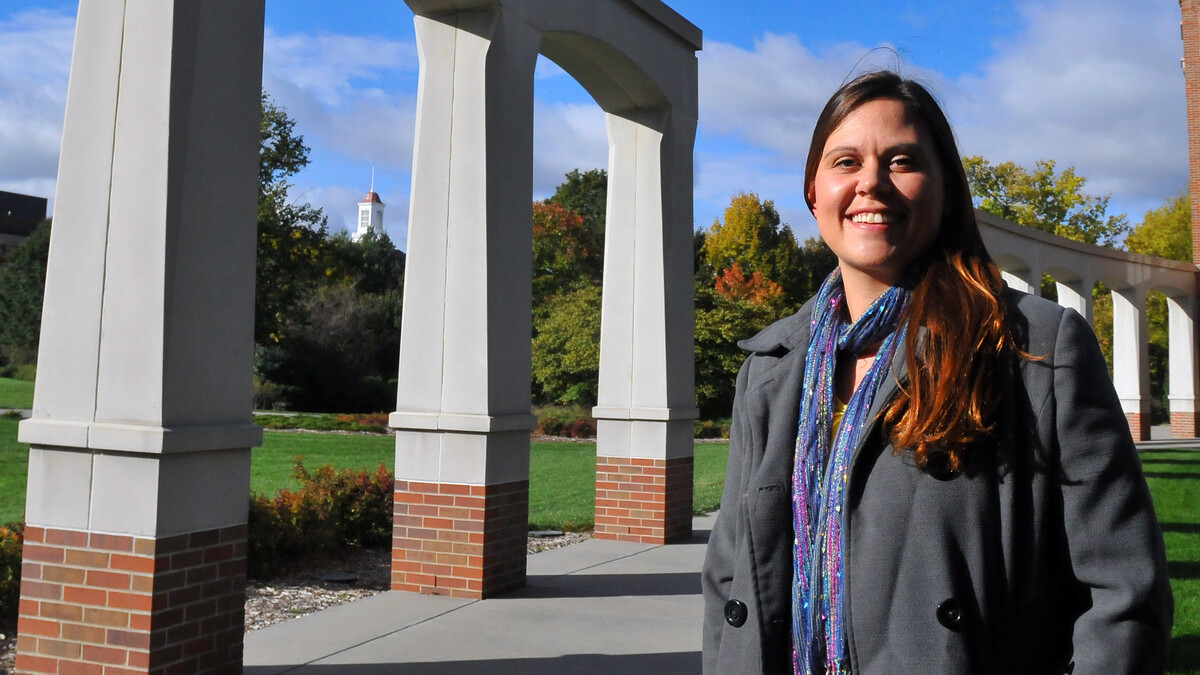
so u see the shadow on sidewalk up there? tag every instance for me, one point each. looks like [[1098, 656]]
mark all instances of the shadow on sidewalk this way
[[576, 664]]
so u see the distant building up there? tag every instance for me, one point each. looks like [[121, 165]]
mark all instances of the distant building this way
[[19, 215], [370, 216]]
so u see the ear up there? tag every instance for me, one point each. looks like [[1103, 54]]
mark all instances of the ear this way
[[812, 195]]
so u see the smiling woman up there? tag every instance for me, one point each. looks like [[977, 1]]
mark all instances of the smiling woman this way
[[927, 472]]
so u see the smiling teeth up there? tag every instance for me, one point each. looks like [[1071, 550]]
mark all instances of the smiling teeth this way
[[874, 218]]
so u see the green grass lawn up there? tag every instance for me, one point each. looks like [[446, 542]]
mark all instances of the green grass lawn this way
[[1174, 479], [562, 497], [14, 465], [561, 475], [16, 393]]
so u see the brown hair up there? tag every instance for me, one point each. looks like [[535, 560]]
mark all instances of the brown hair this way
[[957, 300]]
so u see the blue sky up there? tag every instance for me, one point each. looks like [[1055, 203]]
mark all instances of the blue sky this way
[[1094, 84]]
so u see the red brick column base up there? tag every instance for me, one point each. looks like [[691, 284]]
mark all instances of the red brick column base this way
[[1183, 425], [103, 603], [644, 500], [1139, 426], [466, 541]]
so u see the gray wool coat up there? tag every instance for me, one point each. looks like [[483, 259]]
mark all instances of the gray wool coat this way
[[1043, 556]]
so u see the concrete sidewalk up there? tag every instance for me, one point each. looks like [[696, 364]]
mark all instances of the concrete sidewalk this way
[[594, 607]]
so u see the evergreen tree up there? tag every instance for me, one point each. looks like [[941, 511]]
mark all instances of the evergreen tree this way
[[23, 279]]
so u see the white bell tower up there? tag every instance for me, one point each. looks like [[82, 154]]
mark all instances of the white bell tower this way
[[370, 213]]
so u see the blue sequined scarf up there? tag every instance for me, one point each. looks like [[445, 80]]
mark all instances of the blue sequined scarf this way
[[821, 470]]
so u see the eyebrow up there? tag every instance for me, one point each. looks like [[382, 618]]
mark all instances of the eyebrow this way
[[899, 148]]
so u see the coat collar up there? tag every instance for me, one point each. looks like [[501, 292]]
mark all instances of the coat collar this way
[[780, 390]]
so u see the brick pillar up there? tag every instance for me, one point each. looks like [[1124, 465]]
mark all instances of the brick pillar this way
[[1139, 426], [1183, 425], [93, 602], [1189, 29], [648, 501], [466, 541]]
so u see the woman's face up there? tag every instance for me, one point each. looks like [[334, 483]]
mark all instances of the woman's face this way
[[878, 193]]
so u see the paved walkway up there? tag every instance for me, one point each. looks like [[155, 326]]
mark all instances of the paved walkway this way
[[591, 608]]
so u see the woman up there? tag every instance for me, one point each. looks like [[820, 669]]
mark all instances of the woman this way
[[951, 454]]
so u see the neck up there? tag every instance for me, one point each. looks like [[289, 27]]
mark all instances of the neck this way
[[861, 290]]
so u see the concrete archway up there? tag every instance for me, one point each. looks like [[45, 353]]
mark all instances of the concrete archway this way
[[463, 415], [141, 429]]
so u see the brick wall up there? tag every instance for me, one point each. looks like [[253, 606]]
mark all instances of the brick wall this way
[[1183, 425], [644, 500], [112, 604], [1190, 33], [1139, 428], [460, 540]]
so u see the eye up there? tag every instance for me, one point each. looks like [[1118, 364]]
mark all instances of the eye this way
[[904, 163], [845, 163]]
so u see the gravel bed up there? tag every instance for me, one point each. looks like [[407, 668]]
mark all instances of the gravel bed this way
[[320, 584]]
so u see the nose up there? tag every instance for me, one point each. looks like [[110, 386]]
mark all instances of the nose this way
[[873, 178]]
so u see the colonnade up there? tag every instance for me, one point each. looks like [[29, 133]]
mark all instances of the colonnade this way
[[1025, 255]]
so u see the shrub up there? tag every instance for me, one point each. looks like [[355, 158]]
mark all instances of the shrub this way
[[712, 428], [332, 508], [565, 421], [580, 428], [12, 537], [268, 395], [372, 423]]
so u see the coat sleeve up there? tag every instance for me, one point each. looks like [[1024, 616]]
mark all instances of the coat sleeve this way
[[717, 574], [1113, 539]]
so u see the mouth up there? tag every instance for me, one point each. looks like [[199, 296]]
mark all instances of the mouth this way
[[874, 217]]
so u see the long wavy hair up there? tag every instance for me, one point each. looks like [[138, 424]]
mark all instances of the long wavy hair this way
[[958, 328]]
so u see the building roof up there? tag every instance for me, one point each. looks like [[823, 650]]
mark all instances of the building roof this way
[[371, 198]]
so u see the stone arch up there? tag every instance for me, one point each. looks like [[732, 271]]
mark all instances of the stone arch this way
[[463, 415], [141, 430]]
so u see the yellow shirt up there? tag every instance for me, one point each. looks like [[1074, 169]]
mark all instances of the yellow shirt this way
[[839, 409]]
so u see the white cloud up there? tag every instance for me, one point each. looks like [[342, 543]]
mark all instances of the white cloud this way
[[35, 59], [348, 94], [1094, 84], [566, 136]]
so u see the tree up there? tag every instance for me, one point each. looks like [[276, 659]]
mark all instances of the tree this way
[[722, 320], [23, 279], [1044, 199], [565, 252], [292, 238], [734, 285], [753, 237], [1166, 231], [585, 193], [330, 362], [566, 349], [372, 264]]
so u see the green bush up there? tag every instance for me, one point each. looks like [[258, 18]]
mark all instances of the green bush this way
[[12, 537], [376, 423], [268, 395], [712, 428], [570, 421], [332, 508]]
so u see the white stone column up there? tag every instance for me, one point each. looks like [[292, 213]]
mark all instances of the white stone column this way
[[1025, 280], [463, 415], [1131, 358], [1182, 381], [646, 403], [1076, 295], [142, 425]]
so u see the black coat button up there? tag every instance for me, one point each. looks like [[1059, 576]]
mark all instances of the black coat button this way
[[950, 614], [735, 613]]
